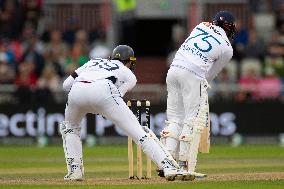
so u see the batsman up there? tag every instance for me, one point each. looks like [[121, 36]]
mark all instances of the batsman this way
[[197, 62]]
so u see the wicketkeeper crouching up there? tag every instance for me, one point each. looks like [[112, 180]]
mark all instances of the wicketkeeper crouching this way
[[97, 87]]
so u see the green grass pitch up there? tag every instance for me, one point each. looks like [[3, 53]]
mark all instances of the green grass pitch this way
[[248, 166]]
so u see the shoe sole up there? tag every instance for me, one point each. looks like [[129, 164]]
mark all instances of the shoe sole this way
[[160, 173], [201, 176], [70, 179], [170, 177], [186, 177]]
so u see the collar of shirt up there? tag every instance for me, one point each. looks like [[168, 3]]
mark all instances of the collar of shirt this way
[[221, 30]]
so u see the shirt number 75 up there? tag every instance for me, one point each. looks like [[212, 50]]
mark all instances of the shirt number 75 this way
[[204, 38]]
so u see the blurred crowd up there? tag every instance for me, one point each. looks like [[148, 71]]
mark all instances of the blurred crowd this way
[[256, 71], [36, 57], [258, 62], [37, 60]]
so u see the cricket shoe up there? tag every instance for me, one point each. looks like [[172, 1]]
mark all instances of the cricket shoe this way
[[184, 175], [169, 169], [199, 175], [190, 176], [76, 173], [160, 172], [171, 173]]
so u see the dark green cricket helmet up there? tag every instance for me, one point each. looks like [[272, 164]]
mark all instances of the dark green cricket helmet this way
[[125, 54]]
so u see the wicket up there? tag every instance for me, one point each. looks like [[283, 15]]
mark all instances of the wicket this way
[[136, 105]]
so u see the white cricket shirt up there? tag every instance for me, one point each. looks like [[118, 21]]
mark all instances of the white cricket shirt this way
[[98, 69], [205, 51]]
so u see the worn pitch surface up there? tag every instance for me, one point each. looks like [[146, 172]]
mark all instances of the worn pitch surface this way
[[258, 166]]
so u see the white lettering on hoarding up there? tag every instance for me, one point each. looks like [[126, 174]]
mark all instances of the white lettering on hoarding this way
[[14, 125], [34, 124], [4, 125], [223, 124], [41, 123], [220, 125]]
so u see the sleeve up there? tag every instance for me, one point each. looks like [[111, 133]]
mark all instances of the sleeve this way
[[67, 84], [218, 65], [82, 68], [128, 83]]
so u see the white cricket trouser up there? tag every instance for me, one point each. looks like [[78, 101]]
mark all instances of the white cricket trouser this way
[[102, 97], [183, 99], [184, 91]]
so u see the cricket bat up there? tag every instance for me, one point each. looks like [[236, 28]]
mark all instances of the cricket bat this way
[[204, 145]]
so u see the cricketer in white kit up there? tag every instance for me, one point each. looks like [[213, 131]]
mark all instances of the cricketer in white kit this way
[[197, 62], [97, 87]]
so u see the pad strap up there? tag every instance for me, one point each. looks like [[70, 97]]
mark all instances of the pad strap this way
[[172, 129], [186, 134], [151, 135]]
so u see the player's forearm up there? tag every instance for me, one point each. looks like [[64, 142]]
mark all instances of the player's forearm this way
[[213, 72], [218, 66], [67, 84], [124, 89]]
